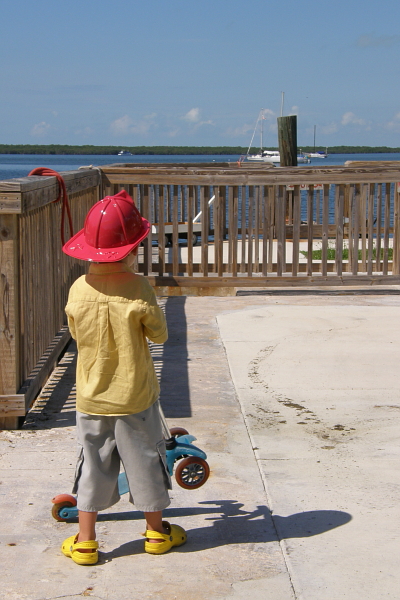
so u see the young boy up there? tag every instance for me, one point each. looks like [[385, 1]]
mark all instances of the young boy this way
[[111, 313]]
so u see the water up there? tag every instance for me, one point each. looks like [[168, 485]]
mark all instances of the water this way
[[19, 165]]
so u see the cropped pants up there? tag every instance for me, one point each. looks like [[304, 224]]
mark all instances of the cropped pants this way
[[136, 441]]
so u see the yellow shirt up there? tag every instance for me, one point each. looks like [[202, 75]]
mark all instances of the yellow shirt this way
[[111, 311]]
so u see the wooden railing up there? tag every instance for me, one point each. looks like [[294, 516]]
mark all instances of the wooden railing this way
[[35, 278], [265, 226], [256, 226]]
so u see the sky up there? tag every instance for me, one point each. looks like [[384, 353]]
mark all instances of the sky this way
[[184, 73]]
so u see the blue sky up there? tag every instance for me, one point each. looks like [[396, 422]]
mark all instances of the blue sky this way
[[128, 73]]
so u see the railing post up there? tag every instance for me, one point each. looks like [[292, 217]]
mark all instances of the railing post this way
[[12, 406], [396, 230]]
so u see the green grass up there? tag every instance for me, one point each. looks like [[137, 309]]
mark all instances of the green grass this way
[[331, 254]]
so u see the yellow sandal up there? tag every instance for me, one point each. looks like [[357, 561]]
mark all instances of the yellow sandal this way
[[176, 536], [71, 548]]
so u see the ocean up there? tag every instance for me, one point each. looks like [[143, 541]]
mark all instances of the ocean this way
[[19, 165]]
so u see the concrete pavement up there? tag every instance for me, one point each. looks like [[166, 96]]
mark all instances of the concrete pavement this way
[[294, 397]]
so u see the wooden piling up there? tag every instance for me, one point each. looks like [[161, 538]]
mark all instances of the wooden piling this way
[[287, 138]]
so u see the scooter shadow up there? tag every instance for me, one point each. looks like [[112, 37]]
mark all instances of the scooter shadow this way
[[236, 526]]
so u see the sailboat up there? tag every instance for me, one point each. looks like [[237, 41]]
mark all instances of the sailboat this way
[[320, 153], [268, 156]]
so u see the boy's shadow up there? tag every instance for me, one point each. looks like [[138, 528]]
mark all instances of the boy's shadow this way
[[236, 526]]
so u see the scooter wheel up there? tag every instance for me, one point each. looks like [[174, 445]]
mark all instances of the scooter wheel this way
[[192, 472], [177, 431], [56, 508]]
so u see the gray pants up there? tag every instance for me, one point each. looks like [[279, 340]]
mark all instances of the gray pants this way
[[135, 440]]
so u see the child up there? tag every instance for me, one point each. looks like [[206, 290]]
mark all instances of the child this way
[[111, 311]]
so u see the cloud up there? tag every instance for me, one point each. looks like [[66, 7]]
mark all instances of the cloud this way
[[350, 118], [294, 110], [86, 131], [127, 126], [394, 125], [268, 113], [328, 129], [239, 131], [121, 126], [370, 40], [192, 116], [40, 129]]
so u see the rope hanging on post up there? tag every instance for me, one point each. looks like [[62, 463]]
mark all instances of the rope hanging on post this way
[[45, 172]]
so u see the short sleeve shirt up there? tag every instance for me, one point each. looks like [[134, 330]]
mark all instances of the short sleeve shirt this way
[[111, 314]]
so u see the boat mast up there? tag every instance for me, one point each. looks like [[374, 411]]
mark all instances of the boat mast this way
[[315, 127]]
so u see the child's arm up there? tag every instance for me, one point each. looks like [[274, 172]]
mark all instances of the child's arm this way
[[71, 323], [153, 321]]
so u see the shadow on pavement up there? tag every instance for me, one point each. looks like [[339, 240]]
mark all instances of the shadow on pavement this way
[[174, 377], [235, 526]]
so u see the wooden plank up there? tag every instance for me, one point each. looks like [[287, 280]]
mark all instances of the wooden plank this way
[[257, 212], [233, 230], [145, 212], [190, 217], [265, 230], [310, 219], [296, 229], [250, 217], [204, 198], [386, 230], [11, 406], [275, 281], [175, 231], [39, 191], [363, 213], [339, 201], [162, 192], [356, 229], [10, 202], [396, 234], [317, 268], [325, 227], [219, 245], [9, 315], [378, 226], [371, 194], [281, 176], [243, 228], [215, 215], [280, 228]]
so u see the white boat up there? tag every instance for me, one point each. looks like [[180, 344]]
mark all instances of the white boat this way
[[269, 156], [317, 153], [124, 153]]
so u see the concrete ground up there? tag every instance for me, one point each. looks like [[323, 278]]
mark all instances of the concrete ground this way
[[294, 395]]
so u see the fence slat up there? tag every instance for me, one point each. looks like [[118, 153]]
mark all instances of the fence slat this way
[[386, 230], [296, 229], [370, 228], [190, 216], [310, 236]]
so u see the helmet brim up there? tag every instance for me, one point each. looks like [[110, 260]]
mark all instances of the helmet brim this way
[[77, 247]]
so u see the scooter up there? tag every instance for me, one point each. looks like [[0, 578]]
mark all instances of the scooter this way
[[191, 472]]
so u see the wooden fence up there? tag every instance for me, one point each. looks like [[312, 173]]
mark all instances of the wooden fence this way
[[265, 227], [257, 226], [35, 278]]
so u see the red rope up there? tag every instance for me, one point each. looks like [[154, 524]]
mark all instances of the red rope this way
[[61, 196]]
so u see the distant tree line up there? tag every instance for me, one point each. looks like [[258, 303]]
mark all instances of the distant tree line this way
[[59, 149]]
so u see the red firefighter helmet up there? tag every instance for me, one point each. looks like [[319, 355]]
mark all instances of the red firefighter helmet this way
[[113, 227]]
